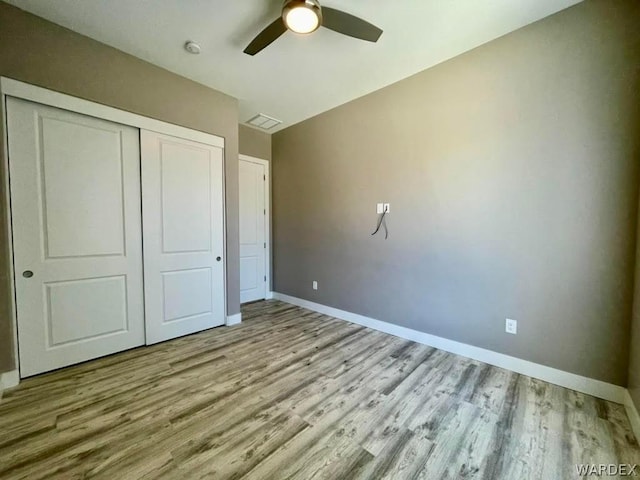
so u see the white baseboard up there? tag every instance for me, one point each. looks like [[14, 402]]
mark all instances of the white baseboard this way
[[234, 319], [9, 380], [269, 296], [632, 413], [590, 386]]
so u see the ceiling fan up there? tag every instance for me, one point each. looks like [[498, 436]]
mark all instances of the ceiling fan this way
[[306, 16]]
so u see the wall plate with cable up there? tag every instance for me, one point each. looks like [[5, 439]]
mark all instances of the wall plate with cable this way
[[381, 207]]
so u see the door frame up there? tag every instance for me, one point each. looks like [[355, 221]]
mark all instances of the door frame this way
[[15, 88], [267, 224]]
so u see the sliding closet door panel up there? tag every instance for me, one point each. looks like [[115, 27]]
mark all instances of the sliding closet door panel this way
[[75, 196], [183, 225]]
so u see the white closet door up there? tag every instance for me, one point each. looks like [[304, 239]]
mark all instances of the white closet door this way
[[75, 197], [253, 245], [183, 225]]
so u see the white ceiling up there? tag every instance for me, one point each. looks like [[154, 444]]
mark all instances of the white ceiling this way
[[296, 77]]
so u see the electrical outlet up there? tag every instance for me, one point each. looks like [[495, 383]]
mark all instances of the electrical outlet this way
[[385, 207], [315, 285], [511, 326]]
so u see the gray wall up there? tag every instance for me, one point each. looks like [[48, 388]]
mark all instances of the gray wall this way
[[512, 173], [255, 143], [634, 352], [39, 52]]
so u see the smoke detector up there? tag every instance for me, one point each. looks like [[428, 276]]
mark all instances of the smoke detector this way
[[192, 47], [265, 122]]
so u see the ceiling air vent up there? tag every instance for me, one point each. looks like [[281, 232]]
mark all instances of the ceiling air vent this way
[[263, 121]]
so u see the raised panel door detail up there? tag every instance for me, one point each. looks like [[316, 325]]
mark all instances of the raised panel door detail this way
[[183, 226], [249, 273], [252, 231], [72, 305], [248, 204], [186, 198], [187, 294], [82, 192], [76, 221]]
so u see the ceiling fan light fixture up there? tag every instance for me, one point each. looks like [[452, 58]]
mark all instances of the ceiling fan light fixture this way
[[302, 16], [306, 16]]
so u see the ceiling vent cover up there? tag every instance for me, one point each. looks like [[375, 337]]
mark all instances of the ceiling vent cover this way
[[264, 122]]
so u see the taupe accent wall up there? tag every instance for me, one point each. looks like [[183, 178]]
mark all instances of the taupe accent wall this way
[[36, 51], [512, 174], [255, 143]]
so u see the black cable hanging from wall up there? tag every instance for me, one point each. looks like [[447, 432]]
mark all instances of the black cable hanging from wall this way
[[382, 222]]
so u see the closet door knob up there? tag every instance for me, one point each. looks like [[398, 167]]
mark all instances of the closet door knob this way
[[27, 274], [218, 258]]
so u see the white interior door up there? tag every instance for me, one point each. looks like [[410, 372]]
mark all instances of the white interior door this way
[[75, 198], [183, 232], [253, 246]]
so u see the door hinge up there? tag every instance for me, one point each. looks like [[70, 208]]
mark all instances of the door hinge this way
[[264, 212], [265, 278], [265, 245], [264, 177]]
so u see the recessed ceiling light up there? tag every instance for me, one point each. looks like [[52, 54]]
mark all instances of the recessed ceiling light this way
[[192, 47]]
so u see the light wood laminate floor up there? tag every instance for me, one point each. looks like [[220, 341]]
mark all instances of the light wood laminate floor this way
[[292, 394]]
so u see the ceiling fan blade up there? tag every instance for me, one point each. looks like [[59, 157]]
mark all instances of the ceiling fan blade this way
[[347, 24], [266, 37]]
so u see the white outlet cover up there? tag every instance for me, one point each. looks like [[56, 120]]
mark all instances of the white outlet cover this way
[[511, 326], [386, 207], [379, 208], [315, 285]]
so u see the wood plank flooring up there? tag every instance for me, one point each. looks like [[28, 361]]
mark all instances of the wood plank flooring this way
[[292, 394]]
